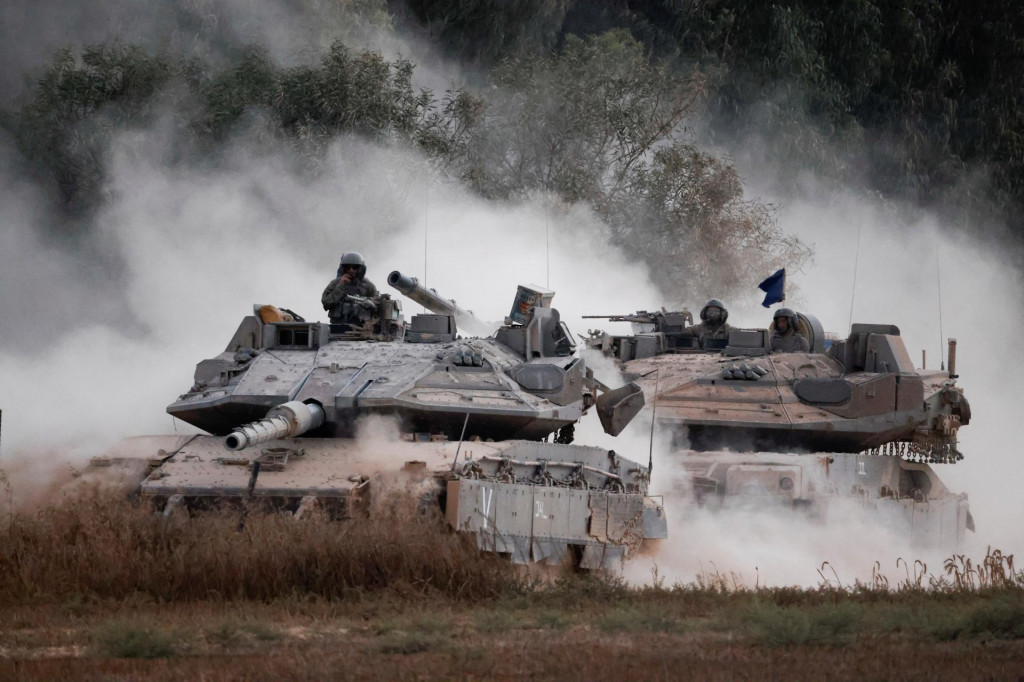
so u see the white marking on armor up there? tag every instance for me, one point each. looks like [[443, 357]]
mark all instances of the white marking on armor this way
[[486, 496]]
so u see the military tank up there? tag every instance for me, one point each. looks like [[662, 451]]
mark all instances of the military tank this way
[[486, 426], [851, 419]]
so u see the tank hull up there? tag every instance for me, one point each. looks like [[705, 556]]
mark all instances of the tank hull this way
[[532, 501], [906, 498]]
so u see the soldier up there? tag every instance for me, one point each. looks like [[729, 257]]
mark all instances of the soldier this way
[[712, 325], [786, 338], [351, 281]]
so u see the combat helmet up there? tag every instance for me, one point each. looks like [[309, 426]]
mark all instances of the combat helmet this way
[[789, 315], [714, 303], [352, 258]]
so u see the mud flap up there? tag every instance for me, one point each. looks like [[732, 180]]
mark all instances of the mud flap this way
[[551, 552], [608, 557], [655, 521], [617, 408]]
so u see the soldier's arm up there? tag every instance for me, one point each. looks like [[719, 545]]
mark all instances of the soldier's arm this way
[[332, 294], [692, 330], [371, 290], [804, 345]]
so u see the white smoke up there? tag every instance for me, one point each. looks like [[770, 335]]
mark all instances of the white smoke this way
[[900, 270], [200, 247], [100, 334]]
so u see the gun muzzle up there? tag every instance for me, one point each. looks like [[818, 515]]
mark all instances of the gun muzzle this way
[[287, 420], [432, 301]]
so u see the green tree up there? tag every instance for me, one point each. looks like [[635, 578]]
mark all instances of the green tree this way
[[599, 122], [64, 130]]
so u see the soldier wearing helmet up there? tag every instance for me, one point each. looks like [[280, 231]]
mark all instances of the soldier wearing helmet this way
[[712, 323], [786, 338], [351, 281]]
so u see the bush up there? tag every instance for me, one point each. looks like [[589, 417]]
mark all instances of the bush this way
[[1002, 618], [638, 620], [406, 643], [130, 640]]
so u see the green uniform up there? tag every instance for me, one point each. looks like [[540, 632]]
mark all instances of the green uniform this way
[[791, 341], [341, 309], [705, 330]]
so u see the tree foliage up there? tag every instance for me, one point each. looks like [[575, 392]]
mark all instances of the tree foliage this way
[[906, 97], [597, 122], [65, 128]]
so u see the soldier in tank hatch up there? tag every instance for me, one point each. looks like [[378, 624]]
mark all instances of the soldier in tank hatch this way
[[712, 326], [350, 282], [786, 338]]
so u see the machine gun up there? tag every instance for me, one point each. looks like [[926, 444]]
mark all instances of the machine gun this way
[[653, 334], [663, 321]]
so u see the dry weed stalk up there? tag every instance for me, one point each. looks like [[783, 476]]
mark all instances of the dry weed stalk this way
[[878, 581], [912, 582], [995, 571], [825, 582]]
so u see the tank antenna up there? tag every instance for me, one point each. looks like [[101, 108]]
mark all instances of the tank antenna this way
[[938, 284], [461, 436], [426, 208], [856, 264], [547, 246], [650, 438]]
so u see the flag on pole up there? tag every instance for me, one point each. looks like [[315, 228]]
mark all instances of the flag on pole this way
[[774, 288]]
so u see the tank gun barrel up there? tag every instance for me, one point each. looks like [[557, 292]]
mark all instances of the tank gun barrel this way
[[287, 420], [431, 300], [641, 317]]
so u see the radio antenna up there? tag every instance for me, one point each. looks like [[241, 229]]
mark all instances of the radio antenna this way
[[856, 266], [426, 231], [650, 439], [462, 437], [938, 285], [547, 245]]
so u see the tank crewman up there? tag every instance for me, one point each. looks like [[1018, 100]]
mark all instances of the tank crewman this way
[[786, 338], [351, 281], [712, 323]]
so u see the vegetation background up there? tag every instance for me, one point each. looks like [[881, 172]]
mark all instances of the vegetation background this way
[[633, 111], [629, 108]]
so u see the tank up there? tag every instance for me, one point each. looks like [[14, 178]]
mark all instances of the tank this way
[[851, 419], [486, 427]]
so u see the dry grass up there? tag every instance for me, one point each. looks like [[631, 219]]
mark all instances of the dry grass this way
[[97, 589], [99, 546]]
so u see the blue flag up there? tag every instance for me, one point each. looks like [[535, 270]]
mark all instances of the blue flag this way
[[774, 288]]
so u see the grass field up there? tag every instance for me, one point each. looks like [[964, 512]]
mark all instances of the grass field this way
[[97, 589]]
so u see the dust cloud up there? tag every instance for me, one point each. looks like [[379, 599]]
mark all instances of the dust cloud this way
[[198, 248], [934, 281], [101, 334], [905, 272]]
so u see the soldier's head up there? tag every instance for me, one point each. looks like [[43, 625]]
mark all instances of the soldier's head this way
[[784, 319], [714, 312], [352, 262]]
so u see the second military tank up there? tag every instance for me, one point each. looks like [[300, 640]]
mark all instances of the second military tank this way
[[849, 418]]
